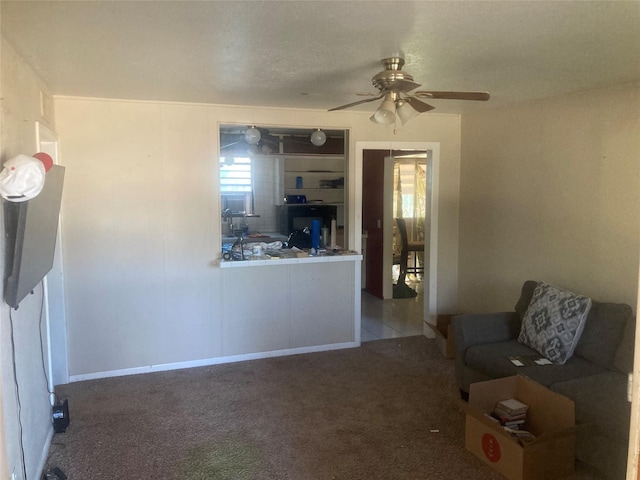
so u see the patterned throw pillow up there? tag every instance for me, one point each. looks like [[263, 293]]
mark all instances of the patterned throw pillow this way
[[554, 322]]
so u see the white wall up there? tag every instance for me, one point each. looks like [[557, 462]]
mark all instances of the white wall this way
[[142, 221], [20, 110], [549, 191]]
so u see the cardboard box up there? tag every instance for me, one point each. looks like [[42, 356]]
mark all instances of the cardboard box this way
[[550, 418], [444, 335]]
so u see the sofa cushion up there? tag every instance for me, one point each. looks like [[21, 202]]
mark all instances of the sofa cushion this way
[[554, 322], [601, 400], [492, 360], [603, 332]]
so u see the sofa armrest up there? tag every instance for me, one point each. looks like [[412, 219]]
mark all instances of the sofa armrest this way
[[479, 329]]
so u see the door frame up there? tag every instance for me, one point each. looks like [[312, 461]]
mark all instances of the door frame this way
[[53, 286], [431, 238]]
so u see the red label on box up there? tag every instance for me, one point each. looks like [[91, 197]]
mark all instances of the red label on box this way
[[491, 447]]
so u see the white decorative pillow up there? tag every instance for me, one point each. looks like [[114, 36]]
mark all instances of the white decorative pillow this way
[[554, 322]]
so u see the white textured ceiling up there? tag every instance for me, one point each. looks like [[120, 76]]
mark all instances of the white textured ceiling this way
[[320, 54]]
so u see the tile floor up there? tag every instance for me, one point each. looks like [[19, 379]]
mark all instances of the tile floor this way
[[397, 317]]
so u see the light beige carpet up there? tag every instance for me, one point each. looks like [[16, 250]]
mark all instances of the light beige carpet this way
[[387, 410]]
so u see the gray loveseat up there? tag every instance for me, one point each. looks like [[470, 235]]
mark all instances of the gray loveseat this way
[[595, 377]]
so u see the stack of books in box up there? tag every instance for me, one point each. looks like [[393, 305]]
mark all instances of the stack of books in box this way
[[512, 415]]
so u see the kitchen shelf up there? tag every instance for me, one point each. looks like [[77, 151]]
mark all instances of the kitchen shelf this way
[[315, 170]]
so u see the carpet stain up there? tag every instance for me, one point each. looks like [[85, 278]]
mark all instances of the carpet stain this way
[[230, 459]]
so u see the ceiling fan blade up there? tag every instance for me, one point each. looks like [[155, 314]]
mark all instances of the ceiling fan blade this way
[[349, 105], [418, 105], [403, 86], [480, 96], [229, 145]]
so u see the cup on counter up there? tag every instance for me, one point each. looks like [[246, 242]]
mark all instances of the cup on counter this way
[[256, 250]]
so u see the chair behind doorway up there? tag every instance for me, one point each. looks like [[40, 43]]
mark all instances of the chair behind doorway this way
[[401, 289]]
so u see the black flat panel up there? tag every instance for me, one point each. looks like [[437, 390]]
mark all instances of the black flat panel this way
[[31, 230]]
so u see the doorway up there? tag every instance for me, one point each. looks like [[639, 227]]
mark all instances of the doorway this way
[[377, 217], [411, 179]]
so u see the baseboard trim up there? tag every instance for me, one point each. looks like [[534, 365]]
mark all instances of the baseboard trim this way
[[210, 361]]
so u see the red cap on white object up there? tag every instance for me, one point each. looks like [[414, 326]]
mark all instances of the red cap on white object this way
[[46, 160], [22, 178]]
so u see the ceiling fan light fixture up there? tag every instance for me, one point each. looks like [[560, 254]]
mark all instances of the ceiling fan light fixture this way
[[318, 138], [386, 113], [405, 111], [252, 135]]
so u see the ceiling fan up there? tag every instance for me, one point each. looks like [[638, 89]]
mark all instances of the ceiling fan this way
[[394, 86]]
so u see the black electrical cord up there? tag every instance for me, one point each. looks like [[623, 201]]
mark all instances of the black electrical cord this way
[[15, 379]]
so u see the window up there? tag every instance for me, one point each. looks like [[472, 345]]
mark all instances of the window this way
[[236, 184], [235, 175]]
